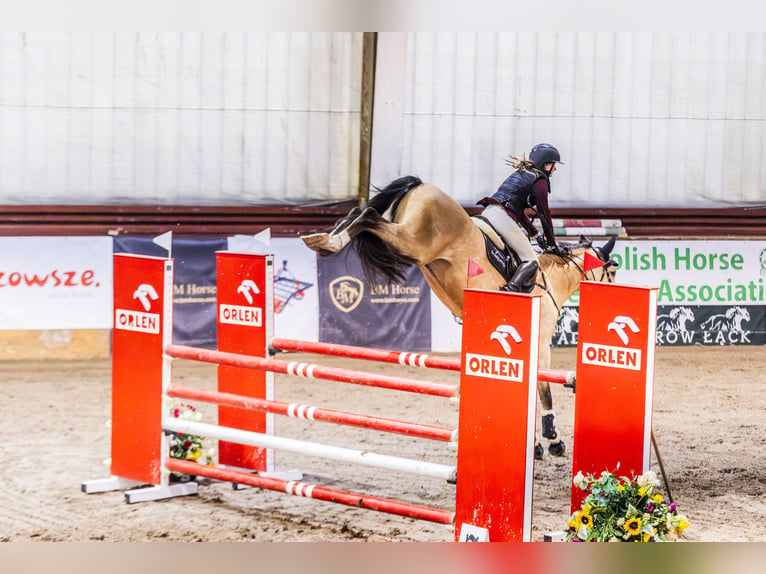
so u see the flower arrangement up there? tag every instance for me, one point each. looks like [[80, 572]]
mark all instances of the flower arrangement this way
[[620, 509], [188, 446]]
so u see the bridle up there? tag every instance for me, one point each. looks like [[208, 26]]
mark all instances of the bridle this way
[[571, 259]]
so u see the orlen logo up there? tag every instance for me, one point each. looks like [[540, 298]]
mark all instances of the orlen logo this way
[[136, 320], [239, 314], [616, 357], [493, 367]]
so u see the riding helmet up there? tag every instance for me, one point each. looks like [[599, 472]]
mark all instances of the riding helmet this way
[[544, 153]]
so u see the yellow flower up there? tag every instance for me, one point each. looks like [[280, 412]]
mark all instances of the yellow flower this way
[[682, 525], [647, 536], [620, 488], [641, 491], [658, 498], [194, 454], [633, 526], [571, 524], [584, 518]]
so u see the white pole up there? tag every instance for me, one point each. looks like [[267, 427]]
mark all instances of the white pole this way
[[365, 458]]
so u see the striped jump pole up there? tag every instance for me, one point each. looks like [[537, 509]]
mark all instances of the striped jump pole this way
[[313, 413], [316, 492], [313, 371], [408, 359]]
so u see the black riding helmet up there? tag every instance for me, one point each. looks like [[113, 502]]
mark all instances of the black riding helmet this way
[[544, 153]]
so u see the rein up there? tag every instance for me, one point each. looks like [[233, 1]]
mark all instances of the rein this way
[[570, 260]]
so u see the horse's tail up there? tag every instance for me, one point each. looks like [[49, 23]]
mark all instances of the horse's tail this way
[[379, 259]]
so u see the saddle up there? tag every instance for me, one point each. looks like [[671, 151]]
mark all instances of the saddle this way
[[499, 254]]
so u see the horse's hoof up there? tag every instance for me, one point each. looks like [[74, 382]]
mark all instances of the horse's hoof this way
[[315, 241], [539, 451], [323, 243], [556, 448]]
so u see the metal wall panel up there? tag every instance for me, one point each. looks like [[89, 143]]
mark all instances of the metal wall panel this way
[[674, 120], [179, 118]]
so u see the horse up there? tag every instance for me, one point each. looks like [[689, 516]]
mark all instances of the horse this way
[[410, 222]]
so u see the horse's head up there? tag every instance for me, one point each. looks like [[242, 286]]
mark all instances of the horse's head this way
[[576, 257]]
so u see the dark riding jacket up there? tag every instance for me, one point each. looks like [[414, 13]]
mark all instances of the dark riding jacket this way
[[523, 190]]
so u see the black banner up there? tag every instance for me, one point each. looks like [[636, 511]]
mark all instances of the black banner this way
[[194, 284], [711, 325], [687, 325], [395, 317]]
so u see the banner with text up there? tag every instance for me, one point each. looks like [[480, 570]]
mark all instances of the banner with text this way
[[709, 292], [56, 283], [394, 317]]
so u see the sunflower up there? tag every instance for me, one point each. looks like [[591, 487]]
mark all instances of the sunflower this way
[[584, 518], [633, 526]]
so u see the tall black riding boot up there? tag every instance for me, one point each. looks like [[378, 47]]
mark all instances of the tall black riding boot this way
[[523, 280]]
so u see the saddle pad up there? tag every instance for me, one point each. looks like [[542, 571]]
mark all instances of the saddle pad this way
[[489, 231]]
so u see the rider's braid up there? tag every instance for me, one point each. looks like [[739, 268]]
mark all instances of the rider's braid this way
[[519, 162]]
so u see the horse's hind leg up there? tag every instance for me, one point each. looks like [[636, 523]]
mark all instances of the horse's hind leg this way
[[548, 418], [349, 227], [337, 239]]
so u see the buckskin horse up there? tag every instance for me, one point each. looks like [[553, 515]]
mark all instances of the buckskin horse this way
[[414, 223]]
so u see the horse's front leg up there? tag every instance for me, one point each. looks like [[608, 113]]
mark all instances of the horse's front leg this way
[[548, 418]]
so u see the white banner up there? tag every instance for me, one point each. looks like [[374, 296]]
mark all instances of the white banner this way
[[55, 283], [696, 272]]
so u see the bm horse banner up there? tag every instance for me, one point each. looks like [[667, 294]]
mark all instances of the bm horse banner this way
[[352, 311], [709, 292]]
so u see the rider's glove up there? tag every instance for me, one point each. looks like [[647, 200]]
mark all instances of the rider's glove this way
[[541, 241]]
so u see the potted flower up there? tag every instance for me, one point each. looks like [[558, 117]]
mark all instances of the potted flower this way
[[622, 509]]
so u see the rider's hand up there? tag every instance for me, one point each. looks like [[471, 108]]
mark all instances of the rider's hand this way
[[559, 250], [541, 241]]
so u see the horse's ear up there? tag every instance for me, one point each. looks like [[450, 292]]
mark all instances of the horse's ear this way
[[606, 249]]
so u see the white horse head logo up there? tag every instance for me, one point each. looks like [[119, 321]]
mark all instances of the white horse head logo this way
[[146, 294], [501, 334], [248, 288], [619, 324]]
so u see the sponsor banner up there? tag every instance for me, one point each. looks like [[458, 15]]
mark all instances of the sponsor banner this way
[[194, 285], [708, 325], [395, 317], [56, 283], [709, 292], [721, 273]]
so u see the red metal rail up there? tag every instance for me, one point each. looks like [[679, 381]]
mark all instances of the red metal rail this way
[[313, 413], [401, 358], [309, 370], [313, 491]]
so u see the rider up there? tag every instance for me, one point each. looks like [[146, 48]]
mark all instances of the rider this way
[[526, 188]]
